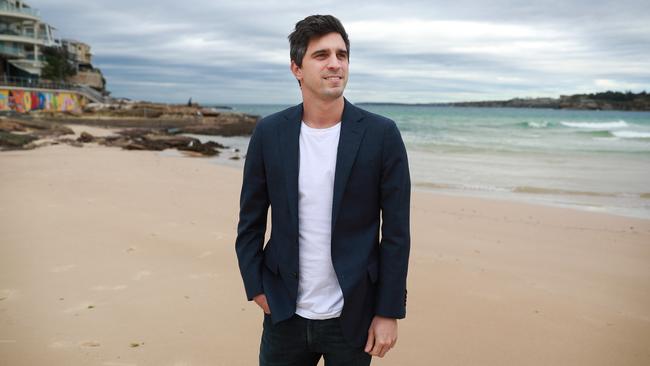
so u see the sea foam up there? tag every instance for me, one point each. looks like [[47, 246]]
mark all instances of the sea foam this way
[[595, 125], [631, 134], [542, 124]]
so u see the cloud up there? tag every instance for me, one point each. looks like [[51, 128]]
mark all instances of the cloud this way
[[411, 51]]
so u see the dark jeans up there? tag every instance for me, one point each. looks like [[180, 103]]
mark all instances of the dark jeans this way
[[301, 342]]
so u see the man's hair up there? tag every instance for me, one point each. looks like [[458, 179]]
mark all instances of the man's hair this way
[[310, 27]]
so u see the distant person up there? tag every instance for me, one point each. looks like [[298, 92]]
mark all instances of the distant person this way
[[328, 285]]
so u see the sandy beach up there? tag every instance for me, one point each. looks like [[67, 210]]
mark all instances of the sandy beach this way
[[118, 258]]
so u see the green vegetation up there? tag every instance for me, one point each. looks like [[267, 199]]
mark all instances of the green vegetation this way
[[59, 64], [613, 96]]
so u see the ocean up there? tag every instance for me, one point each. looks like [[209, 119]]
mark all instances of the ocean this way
[[590, 160]]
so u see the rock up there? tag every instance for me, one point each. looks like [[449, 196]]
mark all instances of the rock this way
[[170, 140], [156, 139], [210, 112], [204, 149], [12, 141], [227, 124], [215, 145], [135, 146], [71, 142], [86, 137], [113, 141], [9, 126]]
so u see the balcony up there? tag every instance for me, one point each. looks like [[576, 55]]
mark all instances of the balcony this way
[[22, 38], [12, 51], [34, 13]]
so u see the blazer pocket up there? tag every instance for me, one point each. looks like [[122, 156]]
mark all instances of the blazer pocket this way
[[270, 262], [373, 272]]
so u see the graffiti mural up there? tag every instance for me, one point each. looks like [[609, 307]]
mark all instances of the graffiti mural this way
[[4, 100], [23, 101]]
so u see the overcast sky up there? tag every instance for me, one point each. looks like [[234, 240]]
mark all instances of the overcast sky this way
[[221, 52]]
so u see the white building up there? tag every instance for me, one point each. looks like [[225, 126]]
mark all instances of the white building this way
[[22, 35]]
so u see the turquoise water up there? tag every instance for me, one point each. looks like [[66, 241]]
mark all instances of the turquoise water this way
[[593, 160]]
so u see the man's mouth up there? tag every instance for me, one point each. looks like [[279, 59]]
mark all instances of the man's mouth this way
[[333, 77]]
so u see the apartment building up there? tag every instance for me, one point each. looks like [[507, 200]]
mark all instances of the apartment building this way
[[23, 34]]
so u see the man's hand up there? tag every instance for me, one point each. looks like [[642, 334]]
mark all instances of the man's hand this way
[[260, 300], [382, 336]]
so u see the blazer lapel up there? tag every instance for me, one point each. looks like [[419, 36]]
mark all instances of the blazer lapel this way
[[352, 130], [289, 138]]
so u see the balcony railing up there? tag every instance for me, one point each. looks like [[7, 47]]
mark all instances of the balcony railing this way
[[10, 32], [12, 50], [31, 35], [29, 55], [34, 83], [12, 9]]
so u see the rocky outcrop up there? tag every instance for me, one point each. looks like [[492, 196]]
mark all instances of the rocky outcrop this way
[[147, 139], [192, 118], [14, 141], [19, 134], [182, 118]]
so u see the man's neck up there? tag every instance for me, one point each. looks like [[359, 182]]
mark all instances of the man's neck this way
[[322, 114]]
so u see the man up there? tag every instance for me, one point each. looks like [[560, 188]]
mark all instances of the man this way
[[330, 171]]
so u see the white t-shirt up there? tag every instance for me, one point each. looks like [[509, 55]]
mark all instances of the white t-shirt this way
[[319, 293]]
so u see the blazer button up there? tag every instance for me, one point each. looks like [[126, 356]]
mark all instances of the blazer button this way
[[295, 274]]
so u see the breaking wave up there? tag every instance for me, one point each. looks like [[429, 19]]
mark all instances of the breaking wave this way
[[595, 125], [631, 134]]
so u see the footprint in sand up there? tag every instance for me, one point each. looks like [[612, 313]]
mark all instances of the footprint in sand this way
[[205, 254], [64, 268], [90, 344], [140, 275], [217, 235], [113, 363], [7, 341], [80, 307]]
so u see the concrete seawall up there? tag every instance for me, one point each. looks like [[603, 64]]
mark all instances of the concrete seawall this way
[[23, 100]]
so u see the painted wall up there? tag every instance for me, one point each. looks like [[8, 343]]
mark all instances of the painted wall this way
[[23, 100]]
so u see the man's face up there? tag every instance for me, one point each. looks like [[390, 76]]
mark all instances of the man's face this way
[[324, 71]]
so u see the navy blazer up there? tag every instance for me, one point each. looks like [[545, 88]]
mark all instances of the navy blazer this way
[[371, 186]]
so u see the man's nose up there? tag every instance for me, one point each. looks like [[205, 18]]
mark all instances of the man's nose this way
[[333, 62]]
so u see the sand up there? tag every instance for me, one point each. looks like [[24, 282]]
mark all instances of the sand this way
[[112, 257]]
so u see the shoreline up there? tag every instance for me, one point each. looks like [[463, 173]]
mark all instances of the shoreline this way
[[114, 257], [233, 155]]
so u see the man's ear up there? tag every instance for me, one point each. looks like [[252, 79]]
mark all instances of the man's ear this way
[[296, 71]]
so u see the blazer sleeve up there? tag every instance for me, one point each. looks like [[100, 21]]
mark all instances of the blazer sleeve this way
[[395, 195], [253, 209]]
